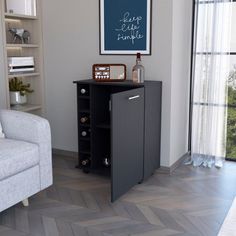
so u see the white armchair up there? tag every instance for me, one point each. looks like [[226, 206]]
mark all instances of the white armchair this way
[[25, 157]]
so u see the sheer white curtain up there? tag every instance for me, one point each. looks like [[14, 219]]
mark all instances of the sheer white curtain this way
[[211, 72]]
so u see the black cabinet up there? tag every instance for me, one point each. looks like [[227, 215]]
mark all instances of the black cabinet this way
[[119, 126]]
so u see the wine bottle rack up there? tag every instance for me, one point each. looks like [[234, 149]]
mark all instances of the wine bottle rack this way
[[84, 127]]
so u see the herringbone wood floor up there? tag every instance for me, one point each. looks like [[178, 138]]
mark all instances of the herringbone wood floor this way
[[191, 202]]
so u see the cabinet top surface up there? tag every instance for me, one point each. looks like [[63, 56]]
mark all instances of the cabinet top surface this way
[[128, 83]]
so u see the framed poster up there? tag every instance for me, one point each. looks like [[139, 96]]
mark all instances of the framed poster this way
[[125, 26]]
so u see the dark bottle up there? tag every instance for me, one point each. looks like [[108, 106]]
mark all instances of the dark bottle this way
[[84, 133], [84, 119], [83, 91], [85, 162], [138, 70]]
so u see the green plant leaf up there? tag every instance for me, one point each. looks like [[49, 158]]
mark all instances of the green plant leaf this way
[[16, 84]]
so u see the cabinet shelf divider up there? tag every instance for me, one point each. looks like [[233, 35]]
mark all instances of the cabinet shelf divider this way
[[84, 97], [86, 152], [104, 126], [84, 111]]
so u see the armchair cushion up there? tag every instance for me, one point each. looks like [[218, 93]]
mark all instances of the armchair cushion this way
[[33, 129], [17, 156]]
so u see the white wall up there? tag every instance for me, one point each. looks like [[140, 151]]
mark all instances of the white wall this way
[[71, 36], [180, 82]]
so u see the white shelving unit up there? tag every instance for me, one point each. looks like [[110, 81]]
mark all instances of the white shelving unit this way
[[32, 24]]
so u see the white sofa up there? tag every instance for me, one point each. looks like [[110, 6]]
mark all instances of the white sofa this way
[[25, 157]]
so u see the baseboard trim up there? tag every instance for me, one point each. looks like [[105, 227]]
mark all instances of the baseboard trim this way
[[161, 170], [172, 168], [60, 152], [179, 162]]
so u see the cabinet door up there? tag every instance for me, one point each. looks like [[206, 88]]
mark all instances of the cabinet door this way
[[127, 138]]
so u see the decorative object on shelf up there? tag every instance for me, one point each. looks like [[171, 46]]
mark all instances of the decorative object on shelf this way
[[22, 7], [20, 64], [20, 34], [109, 72], [138, 70], [18, 91], [125, 26]]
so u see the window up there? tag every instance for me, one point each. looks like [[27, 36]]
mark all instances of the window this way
[[204, 47]]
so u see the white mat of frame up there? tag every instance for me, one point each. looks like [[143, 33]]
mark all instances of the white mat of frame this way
[[229, 226]]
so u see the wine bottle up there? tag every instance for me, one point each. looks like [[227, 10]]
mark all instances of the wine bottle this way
[[84, 133], [106, 161], [85, 162], [83, 91], [138, 70], [84, 119]]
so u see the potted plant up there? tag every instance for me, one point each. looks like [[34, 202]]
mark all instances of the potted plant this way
[[18, 91]]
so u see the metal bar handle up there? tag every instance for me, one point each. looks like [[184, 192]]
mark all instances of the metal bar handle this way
[[134, 97]]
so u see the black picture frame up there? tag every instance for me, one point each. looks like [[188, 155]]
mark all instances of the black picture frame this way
[[125, 27]]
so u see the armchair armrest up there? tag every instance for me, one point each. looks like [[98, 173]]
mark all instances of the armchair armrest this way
[[25, 127], [34, 129]]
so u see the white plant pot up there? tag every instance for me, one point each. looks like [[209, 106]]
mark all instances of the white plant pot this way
[[17, 99]]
